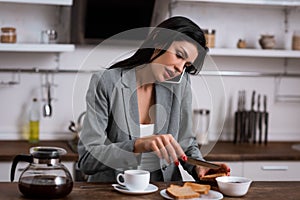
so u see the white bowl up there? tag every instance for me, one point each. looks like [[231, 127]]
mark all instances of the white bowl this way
[[233, 185]]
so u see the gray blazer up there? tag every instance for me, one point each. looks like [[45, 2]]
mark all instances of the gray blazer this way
[[111, 124]]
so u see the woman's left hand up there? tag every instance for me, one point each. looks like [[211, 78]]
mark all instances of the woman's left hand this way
[[202, 171]]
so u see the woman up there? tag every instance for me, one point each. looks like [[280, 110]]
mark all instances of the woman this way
[[138, 116]]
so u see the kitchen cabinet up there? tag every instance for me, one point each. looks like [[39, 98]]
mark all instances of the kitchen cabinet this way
[[236, 168], [53, 14], [277, 17], [5, 168], [265, 170], [272, 170]]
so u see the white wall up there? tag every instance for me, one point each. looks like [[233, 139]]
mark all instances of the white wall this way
[[242, 22]]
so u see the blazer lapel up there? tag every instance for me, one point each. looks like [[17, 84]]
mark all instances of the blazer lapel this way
[[130, 102], [163, 107]]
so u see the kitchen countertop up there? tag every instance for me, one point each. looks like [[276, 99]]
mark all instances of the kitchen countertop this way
[[11, 148], [273, 151], [82, 191], [222, 151]]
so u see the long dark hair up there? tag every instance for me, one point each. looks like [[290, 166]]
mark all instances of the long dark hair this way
[[176, 28]]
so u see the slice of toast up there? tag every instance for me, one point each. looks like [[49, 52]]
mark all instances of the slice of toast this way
[[200, 188], [181, 192], [212, 177]]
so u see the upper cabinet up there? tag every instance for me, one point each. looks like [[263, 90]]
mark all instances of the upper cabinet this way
[[247, 20], [31, 19]]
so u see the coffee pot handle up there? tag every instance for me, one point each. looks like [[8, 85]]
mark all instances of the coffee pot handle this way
[[17, 158]]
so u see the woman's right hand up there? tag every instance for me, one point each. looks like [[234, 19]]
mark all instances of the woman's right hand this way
[[164, 146]]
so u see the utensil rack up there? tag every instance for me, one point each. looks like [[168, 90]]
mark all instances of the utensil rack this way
[[204, 73], [277, 76]]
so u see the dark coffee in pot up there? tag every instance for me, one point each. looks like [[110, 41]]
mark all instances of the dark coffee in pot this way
[[45, 186]]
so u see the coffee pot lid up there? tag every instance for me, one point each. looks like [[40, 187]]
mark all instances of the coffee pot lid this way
[[47, 152]]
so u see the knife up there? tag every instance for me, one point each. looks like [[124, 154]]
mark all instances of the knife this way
[[253, 119], [266, 119], [259, 113], [202, 163], [186, 177], [237, 120]]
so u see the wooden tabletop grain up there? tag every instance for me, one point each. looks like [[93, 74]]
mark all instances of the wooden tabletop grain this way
[[89, 191]]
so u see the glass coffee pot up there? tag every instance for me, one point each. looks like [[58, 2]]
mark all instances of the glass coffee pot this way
[[45, 176]]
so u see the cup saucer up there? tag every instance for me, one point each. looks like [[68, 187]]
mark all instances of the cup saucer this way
[[151, 188]]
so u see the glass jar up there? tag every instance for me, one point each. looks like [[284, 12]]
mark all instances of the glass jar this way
[[296, 40], [210, 37], [8, 35], [201, 120]]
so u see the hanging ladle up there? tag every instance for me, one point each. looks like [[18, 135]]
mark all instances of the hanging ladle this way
[[47, 109]]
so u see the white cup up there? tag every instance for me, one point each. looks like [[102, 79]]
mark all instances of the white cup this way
[[135, 180]]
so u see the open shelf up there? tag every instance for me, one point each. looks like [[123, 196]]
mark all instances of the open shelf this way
[[48, 2], [289, 3], [276, 53], [24, 47]]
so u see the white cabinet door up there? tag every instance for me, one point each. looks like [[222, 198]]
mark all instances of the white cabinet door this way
[[236, 168], [272, 170]]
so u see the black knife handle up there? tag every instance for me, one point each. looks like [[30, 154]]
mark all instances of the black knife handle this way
[[266, 126]]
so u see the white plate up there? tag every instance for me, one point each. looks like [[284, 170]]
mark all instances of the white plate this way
[[211, 195], [151, 188]]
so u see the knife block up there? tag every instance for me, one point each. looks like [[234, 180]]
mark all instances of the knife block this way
[[251, 127]]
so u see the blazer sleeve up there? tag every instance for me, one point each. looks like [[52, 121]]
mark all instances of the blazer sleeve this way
[[96, 152], [186, 137]]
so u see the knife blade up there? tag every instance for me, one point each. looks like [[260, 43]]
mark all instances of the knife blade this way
[[186, 177], [202, 163]]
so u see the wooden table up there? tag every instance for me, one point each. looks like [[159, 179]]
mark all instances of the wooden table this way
[[90, 191]]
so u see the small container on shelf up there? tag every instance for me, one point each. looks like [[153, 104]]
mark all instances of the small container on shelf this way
[[8, 35], [267, 41], [296, 40], [241, 44], [210, 37], [48, 36]]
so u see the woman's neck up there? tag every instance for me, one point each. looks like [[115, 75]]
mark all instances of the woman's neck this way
[[144, 77]]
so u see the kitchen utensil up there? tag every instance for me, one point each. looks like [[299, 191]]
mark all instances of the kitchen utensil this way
[[237, 119], [202, 163], [266, 120], [76, 127], [259, 117], [186, 177], [244, 117], [47, 109], [45, 176], [252, 119]]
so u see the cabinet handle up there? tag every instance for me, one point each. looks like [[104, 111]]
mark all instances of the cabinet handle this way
[[275, 168]]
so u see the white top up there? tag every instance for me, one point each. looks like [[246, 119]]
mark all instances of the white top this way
[[149, 161]]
